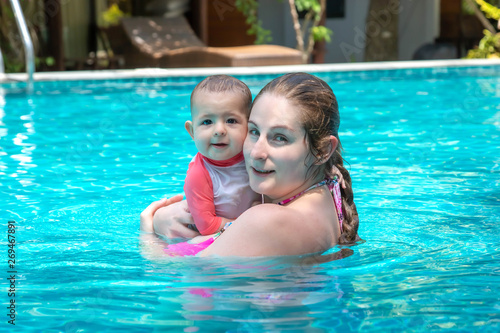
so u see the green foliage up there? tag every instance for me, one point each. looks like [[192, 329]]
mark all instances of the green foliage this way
[[13, 65], [322, 33], [11, 42], [44, 62], [113, 15], [467, 9], [319, 33], [490, 10], [50, 61], [307, 5], [249, 9], [489, 47]]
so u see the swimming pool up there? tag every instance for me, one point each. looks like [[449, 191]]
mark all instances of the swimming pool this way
[[79, 160]]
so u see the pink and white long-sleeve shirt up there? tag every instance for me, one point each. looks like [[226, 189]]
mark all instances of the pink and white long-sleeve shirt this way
[[216, 189]]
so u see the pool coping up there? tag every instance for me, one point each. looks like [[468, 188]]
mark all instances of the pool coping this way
[[189, 72]]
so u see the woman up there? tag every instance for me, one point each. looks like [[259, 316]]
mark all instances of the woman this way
[[291, 145]]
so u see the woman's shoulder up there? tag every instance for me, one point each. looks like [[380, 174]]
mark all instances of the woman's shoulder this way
[[269, 229], [260, 231], [290, 225], [307, 208], [270, 215]]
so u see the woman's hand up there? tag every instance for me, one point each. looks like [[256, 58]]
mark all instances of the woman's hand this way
[[336, 172]]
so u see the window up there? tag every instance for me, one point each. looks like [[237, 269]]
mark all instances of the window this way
[[334, 9]]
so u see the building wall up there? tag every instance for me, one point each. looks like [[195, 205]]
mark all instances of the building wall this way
[[275, 16], [348, 42], [418, 24]]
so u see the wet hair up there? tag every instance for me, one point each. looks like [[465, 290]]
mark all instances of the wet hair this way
[[224, 84], [320, 118]]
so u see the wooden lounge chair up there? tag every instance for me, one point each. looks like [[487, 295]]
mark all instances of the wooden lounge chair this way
[[170, 42]]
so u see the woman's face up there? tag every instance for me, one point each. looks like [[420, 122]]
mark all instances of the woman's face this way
[[276, 151]]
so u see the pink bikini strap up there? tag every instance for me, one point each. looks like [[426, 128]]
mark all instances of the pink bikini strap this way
[[334, 187], [321, 183]]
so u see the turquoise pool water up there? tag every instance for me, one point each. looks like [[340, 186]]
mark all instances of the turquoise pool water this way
[[80, 160]]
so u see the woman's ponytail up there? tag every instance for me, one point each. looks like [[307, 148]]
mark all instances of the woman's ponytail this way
[[349, 232]]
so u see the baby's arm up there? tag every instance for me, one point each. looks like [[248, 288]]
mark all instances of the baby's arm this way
[[200, 199]]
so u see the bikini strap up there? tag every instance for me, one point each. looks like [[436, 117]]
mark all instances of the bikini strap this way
[[222, 230], [334, 187], [321, 183]]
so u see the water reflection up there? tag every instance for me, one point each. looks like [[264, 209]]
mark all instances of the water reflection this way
[[257, 295]]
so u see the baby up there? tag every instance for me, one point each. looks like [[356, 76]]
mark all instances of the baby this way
[[216, 185]]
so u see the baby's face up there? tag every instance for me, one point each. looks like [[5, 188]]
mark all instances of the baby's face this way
[[219, 124]]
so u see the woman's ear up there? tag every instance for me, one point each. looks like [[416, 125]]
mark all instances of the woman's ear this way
[[325, 156], [334, 142], [188, 125]]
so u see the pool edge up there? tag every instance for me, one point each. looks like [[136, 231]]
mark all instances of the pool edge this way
[[188, 72]]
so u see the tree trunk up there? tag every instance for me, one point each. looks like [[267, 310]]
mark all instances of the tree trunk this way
[[382, 30], [319, 51]]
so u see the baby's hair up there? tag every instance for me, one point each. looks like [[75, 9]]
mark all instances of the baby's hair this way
[[224, 84], [320, 118]]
